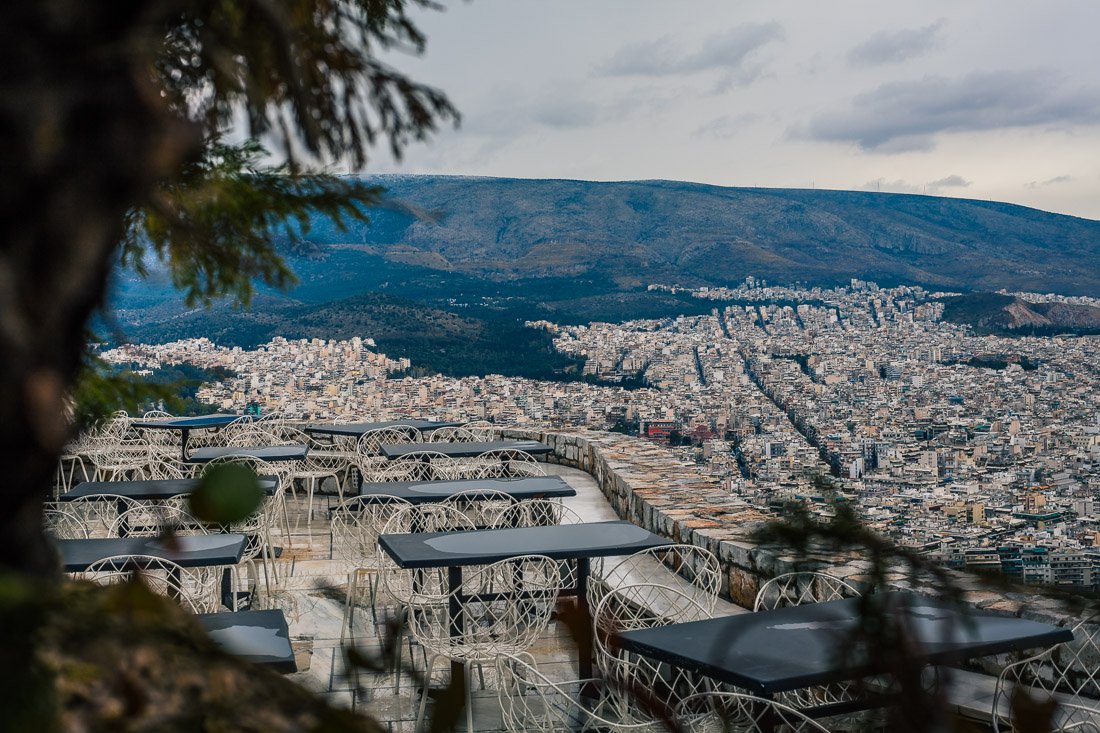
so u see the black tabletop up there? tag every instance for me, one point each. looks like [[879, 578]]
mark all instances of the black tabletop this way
[[261, 637], [266, 453], [484, 546], [148, 490], [423, 492], [803, 646], [358, 428], [200, 422], [464, 450], [190, 551]]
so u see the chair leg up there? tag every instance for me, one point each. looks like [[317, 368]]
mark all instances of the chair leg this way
[[424, 694], [349, 612]]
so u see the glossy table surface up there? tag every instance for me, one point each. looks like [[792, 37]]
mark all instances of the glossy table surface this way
[[422, 492], [464, 450], [484, 546], [260, 637], [266, 453], [814, 644], [189, 551], [147, 490]]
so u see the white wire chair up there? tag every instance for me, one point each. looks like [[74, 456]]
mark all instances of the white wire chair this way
[[418, 466], [156, 519], [62, 523], [538, 513], [195, 589], [220, 436], [483, 507], [643, 606], [161, 467], [503, 464], [502, 608], [696, 571], [795, 589], [257, 527], [310, 471], [1069, 673], [451, 434], [336, 455], [735, 712], [531, 701], [399, 585], [98, 512], [356, 524]]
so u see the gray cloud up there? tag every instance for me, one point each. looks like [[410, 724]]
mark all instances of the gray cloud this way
[[891, 47], [1049, 181], [662, 57], [952, 181], [904, 116], [726, 126]]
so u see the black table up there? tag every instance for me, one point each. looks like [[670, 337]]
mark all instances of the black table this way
[[186, 424], [580, 542], [260, 637], [810, 645], [356, 429], [423, 492], [273, 453], [192, 551], [149, 490], [465, 450]]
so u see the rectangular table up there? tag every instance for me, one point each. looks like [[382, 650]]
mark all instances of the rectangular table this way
[[580, 542], [356, 429], [186, 424], [811, 645], [265, 453], [464, 450], [149, 490], [423, 492], [260, 637], [189, 551]]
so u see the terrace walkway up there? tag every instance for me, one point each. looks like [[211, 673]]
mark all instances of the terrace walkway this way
[[312, 597]]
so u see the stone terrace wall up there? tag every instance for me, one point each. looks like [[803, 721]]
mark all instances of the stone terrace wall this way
[[646, 484]]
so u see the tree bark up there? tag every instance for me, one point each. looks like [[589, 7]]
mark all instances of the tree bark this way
[[83, 137]]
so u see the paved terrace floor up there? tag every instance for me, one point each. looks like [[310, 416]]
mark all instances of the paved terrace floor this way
[[311, 594]]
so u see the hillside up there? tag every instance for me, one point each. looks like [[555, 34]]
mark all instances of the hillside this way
[[667, 231], [1007, 315], [450, 268]]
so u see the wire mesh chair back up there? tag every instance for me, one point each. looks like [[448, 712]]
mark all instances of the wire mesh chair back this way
[[643, 606], [356, 524], [400, 584], [194, 589], [152, 415], [256, 527], [1069, 672], [62, 523], [484, 507], [370, 442], [451, 434], [215, 437], [727, 712], [695, 569], [538, 513], [254, 434], [502, 609], [481, 430], [796, 589], [157, 520], [505, 464], [531, 701], [418, 466], [162, 468], [98, 512]]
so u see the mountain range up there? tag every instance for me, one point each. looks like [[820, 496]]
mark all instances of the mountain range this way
[[449, 268]]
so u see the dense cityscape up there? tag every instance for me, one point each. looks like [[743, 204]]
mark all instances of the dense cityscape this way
[[979, 450]]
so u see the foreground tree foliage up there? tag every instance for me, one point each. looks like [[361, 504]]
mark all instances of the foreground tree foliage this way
[[112, 117]]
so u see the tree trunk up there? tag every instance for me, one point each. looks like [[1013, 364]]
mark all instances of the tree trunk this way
[[83, 136]]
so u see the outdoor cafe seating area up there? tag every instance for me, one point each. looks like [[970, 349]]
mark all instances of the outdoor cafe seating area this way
[[489, 575]]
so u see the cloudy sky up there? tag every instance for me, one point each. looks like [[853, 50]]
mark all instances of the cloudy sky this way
[[988, 99]]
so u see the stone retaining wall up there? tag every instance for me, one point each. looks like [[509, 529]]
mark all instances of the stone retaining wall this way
[[646, 484]]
